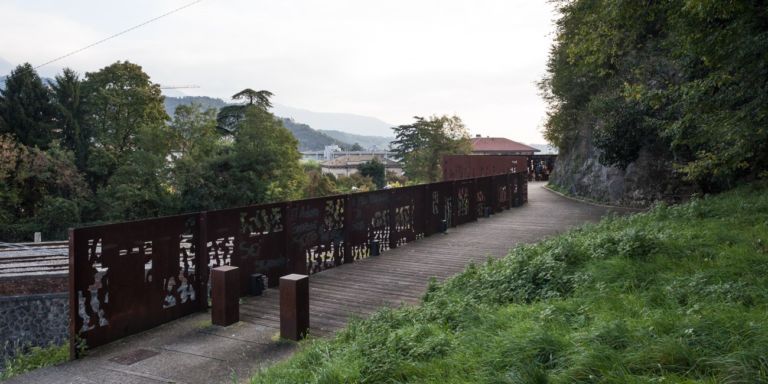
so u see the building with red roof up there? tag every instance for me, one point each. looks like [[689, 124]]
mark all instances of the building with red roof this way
[[500, 146]]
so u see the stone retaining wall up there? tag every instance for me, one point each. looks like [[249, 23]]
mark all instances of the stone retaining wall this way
[[32, 320]]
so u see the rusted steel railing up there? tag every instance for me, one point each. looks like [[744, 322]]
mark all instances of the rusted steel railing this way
[[132, 276]]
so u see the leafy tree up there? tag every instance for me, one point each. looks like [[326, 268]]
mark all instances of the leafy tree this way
[[125, 113], [257, 98], [260, 165], [127, 165], [685, 80], [231, 116], [375, 170], [139, 188], [39, 190], [26, 109], [421, 145], [356, 147], [194, 129], [70, 115], [318, 184]]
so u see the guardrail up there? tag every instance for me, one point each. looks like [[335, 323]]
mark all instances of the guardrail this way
[[132, 276]]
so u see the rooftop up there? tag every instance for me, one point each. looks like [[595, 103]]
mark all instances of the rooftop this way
[[501, 144]]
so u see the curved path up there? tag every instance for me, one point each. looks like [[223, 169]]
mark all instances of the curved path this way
[[191, 350]]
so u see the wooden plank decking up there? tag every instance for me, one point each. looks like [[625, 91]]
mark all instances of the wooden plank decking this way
[[401, 275]]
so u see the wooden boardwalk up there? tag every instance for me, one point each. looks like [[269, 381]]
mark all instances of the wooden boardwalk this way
[[401, 275], [191, 350]]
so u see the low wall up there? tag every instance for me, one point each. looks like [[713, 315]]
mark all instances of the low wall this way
[[29, 285], [32, 320]]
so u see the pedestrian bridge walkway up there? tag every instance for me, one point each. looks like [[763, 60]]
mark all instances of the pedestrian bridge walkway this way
[[191, 350]]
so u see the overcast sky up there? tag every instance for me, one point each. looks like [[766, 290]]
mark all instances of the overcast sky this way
[[389, 59]]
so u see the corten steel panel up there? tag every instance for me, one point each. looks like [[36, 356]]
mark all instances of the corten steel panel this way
[[251, 238], [440, 206], [466, 210], [132, 276], [294, 306], [406, 220], [225, 283], [369, 221], [316, 236], [457, 167], [129, 277]]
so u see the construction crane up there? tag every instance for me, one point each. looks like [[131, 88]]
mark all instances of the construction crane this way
[[179, 86]]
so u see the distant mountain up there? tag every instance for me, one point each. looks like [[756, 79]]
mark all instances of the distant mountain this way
[[366, 142], [345, 122], [309, 138]]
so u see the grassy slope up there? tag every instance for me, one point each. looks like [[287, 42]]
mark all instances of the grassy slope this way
[[678, 294]]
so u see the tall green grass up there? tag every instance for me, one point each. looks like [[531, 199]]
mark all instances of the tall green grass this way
[[676, 295]]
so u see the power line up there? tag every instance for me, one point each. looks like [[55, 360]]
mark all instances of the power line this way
[[119, 33]]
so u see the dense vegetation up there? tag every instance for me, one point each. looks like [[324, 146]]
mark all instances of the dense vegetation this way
[[422, 144], [684, 80], [102, 148], [677, 294]]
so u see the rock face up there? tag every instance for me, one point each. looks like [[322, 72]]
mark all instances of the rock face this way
[[648, 179]]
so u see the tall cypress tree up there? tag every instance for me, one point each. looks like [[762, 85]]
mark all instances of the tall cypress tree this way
[[26, 109], [70, 115]]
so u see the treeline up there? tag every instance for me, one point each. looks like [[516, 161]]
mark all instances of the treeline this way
[[101, 148], [685, 80]]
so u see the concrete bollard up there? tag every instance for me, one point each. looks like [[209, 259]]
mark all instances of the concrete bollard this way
[[294, 306], [226, 295]]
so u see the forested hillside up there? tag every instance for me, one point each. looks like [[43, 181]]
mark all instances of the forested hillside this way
[[364, 141], [310, 139], [654, 99]]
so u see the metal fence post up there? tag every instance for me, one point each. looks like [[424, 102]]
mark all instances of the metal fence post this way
[[294, 306], [348, 257], [226, 295], [74, 305], [203, 262], [392, 218]]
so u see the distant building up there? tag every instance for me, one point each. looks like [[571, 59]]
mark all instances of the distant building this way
[[347, 165], [331, 152], [500, 146]]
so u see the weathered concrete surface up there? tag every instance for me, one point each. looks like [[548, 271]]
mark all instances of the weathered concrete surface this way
[[191, 350]]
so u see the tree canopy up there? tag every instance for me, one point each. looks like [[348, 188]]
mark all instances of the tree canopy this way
[[375, 170], [422, 144], [26, 109], [102, 148], [685, 80]]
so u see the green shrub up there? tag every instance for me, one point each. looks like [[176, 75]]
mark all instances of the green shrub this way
[[34, 358]]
